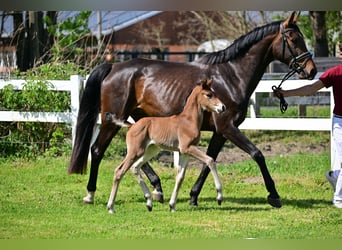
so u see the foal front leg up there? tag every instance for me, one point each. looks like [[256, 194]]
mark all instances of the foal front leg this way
[[195, 152], [180, 164]]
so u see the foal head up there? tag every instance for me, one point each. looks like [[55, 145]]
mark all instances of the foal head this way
[[208, 99]]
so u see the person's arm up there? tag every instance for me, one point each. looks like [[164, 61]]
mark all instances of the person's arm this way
[[302, 91]]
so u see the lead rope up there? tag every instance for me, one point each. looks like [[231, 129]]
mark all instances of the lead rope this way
[[283, 104]]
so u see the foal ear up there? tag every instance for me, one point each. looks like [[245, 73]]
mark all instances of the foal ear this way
[[207, 84]]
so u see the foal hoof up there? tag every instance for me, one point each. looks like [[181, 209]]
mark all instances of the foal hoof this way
[[274, 202], [158, 196], [149, 208], [172, 208], [219, 202]]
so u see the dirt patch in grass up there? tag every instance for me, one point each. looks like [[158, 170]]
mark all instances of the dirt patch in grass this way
[[232, 154]]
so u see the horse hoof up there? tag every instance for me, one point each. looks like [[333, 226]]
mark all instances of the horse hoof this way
[[111, 211], [219, 202], [274, 202], [86, 200], [193, 202], [89, 199], [158, 196], [149, 208]]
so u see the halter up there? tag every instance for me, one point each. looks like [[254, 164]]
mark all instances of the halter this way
[[294, 65]]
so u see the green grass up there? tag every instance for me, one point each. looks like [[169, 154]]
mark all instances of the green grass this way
[[40, 201], [315, 111]]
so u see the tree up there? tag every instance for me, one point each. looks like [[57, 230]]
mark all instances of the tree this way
[[31, 38], [317, 19]]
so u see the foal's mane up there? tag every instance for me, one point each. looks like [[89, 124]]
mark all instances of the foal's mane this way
[[240, 45]]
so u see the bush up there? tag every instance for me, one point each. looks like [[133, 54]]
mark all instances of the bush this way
[[29, 139]]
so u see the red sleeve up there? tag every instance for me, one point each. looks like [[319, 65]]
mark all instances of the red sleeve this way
[[332, 76]]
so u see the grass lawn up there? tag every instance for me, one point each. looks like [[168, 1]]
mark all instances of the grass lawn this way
[[40, 201]]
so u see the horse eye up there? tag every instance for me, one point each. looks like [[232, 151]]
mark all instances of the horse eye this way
[[294, 40]]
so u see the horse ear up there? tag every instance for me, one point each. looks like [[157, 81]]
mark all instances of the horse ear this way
[[291, 19], [295, 19]]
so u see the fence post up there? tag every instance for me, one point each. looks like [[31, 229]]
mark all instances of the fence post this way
[[76, 88]]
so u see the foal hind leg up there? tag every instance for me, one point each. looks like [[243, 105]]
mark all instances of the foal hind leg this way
[[154, 179], [144, 188], [118, 175], [107, 132], [180, 164], [149, 153]]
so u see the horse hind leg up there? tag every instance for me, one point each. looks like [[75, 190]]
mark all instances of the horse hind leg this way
[[107, 132]]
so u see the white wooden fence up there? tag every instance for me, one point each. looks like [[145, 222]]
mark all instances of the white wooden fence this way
[[74, 86], [315, 124], [76, 83]]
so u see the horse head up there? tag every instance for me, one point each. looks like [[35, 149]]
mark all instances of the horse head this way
[[290, 48]]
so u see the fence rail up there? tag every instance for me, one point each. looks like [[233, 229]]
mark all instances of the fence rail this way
[[74, 86], [76, 83], [314, 124]]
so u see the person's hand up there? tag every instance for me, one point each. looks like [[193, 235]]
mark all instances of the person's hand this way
[[278, 92]]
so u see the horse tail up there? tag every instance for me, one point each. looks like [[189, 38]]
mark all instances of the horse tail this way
[[89, 109]]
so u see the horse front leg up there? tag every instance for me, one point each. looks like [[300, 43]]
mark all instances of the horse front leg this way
[[215, 145], [106, 134], [246, 145]]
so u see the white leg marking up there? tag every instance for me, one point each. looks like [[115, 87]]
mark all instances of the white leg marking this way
[[89, 198]]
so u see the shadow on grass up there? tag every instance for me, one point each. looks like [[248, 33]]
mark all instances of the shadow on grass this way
[[250, 201], [247, 203]]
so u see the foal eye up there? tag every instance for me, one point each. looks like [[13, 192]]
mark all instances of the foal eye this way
[[209, 95]]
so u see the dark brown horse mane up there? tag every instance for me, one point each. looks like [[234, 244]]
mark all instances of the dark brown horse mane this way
[[240, 45]]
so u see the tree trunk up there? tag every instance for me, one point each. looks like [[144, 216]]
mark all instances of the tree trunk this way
[[48, 39], [317, 19], [19, 40], [33, 38]]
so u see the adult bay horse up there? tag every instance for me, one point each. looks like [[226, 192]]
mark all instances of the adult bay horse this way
[[142, 87], [180, 133]]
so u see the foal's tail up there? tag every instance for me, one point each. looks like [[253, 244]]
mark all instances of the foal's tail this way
[[87, 116], [121, 123]]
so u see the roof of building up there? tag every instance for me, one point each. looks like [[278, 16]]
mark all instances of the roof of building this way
[[111, 20]]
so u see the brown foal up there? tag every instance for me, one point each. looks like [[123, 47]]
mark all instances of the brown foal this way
[[179, 133]]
